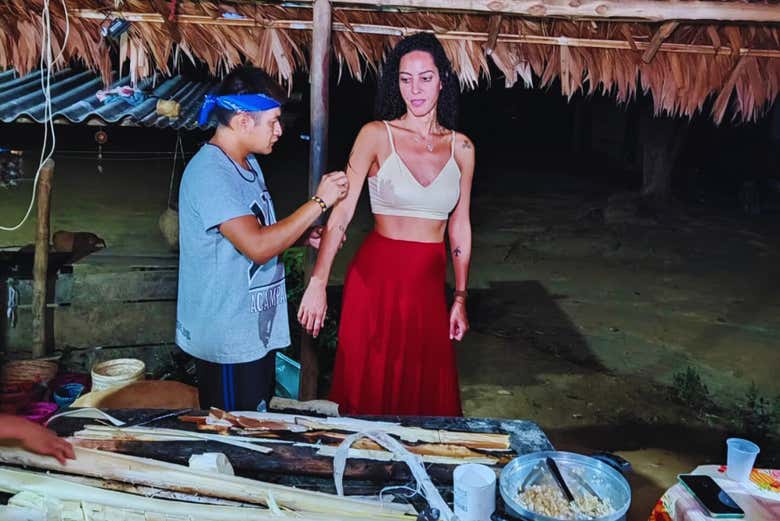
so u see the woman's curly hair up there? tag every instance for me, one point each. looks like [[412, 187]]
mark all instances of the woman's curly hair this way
[[390, 105]]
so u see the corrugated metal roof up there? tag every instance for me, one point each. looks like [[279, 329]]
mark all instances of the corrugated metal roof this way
[[74, 100]]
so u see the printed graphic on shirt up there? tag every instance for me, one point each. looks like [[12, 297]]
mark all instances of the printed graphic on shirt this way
[[266, 281]]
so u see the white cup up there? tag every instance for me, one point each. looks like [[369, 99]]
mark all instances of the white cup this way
[[475, 492], [740, 458]]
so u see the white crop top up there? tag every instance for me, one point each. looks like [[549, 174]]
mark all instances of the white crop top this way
[[395, 191]]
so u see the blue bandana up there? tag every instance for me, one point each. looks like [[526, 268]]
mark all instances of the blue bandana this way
[[237, 103]]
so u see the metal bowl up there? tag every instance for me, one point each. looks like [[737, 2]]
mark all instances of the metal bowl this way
[[531, 469]]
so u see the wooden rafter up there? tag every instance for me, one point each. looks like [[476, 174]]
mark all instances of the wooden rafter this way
[[389, 30], [636, 10], [663, 32]]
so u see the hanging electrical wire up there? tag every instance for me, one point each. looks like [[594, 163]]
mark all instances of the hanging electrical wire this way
[[46, 62]]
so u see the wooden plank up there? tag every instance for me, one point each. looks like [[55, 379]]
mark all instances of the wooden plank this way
[[629, 10], [40, 328], [115, 324], [112, 324], [125, 286]]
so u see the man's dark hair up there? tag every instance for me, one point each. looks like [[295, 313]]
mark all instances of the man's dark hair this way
[[390, 105], [246, 80]]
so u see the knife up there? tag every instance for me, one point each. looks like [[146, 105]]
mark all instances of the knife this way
[[156, 418]]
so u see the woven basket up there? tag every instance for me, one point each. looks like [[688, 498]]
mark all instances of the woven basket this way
[[24, 371], [117, 372]]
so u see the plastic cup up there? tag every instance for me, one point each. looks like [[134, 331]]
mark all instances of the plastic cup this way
[[740, 457], [474, 492]]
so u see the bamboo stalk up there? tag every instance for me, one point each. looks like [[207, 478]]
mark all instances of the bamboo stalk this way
[[153, 434], [473, 440], [130, 469], [389, 30], [15, 481], [140, 490], [41, 261]]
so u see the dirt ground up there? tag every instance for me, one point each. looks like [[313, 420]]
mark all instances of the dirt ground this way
[[582, 313]]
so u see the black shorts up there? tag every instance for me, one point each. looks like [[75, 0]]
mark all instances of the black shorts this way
[[237, 387]]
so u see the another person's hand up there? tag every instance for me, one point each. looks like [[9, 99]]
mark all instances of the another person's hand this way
[[333, 188], [314, 304], [459, 322], [39, 439], [314, 238]]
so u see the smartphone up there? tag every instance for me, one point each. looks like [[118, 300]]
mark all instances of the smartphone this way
[[709, 494]]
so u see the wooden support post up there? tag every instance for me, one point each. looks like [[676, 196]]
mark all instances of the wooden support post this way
[[41, 264], [318, 157]]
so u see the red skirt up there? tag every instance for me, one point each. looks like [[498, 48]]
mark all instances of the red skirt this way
[[394, 352]]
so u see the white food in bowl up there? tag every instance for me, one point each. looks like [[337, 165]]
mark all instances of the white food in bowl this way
[[548, 501]]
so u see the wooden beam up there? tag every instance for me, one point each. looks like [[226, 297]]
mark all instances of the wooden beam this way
[[494, 28], [663, 32], [639, 10], [389, 30], [41, 262], [318, 158]]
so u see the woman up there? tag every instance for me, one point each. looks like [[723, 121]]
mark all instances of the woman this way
[[34, 438], [395, 353]]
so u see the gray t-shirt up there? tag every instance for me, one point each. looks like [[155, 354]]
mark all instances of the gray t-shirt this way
[[230, 310]]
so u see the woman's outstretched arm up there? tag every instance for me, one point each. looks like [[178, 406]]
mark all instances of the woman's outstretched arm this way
[[314, 305]]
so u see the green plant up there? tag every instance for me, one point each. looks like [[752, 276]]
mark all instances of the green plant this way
[[756, 414], [689, 389]]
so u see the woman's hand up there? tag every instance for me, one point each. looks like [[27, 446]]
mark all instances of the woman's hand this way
[[314, 305], [41, 440], [459, 322]]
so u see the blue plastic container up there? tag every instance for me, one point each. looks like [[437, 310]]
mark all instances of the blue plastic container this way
[[67, 394]]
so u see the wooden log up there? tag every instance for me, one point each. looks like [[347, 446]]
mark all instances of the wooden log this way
[[120, 467], [627, 10], [40, 338], [324, 407], [318, 158]]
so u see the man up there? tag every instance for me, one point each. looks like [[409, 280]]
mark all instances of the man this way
[[232, 302]]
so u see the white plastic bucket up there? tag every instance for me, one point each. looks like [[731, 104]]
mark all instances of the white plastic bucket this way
[[475, 492]]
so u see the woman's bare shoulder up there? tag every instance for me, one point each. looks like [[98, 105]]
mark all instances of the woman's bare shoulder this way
[[463, 142], [464, 150]]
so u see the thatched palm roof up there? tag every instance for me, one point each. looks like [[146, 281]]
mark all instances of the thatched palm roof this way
[[683, 63]]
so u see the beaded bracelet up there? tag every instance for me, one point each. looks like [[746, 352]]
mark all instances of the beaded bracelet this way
[[320, 202], [460, 293]]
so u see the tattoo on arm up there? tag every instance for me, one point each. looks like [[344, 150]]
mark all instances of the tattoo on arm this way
[[467, 144], [456, 252]]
